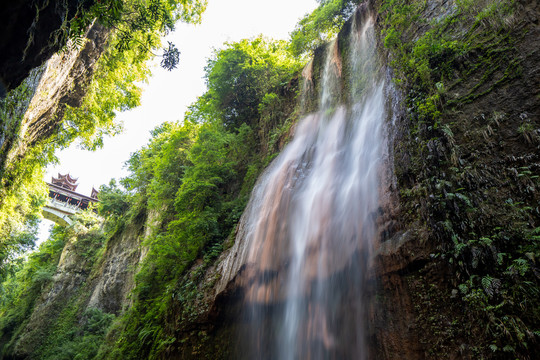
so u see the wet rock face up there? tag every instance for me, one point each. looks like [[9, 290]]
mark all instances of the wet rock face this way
[[116, 276], [62, 81], [411, 285], [27, 28]]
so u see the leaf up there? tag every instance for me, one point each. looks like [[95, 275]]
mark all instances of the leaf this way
[[491, 285]]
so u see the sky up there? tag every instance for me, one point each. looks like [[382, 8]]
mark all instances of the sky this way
[[168, 93]]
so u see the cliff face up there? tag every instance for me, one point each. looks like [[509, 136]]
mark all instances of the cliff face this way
[[93, 276], [461, 171], [455, 273], [31, 34], [459, 204], [116, 275], [61, 81]]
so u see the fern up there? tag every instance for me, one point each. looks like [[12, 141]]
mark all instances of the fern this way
[[491, 285]]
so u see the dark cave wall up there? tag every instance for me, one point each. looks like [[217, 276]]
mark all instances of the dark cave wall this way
[[31, 33]]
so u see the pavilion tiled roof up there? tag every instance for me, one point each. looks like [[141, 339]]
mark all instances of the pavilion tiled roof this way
[[65, 181]]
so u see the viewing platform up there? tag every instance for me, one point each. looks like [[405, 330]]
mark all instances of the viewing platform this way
[[64, 201]]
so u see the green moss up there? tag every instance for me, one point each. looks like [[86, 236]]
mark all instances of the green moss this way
[[479, 211], [429, 65]]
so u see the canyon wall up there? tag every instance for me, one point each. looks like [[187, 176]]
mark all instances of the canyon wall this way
[[459, 193], [454, 269], [31, 34], [60, 82]]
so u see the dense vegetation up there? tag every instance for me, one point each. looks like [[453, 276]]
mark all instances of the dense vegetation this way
[[136, 30], [476, 293], [193, 180], [73, 331], [321, 25], [476, 213], [198, 176]]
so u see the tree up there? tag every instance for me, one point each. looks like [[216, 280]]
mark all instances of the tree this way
[[239, 76], [321, 25], [137, 26], [136, 23]]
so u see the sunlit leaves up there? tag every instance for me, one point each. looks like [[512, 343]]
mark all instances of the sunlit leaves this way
[[321, 25], [239, 76], [112, 200], [137, 27], [115, 87]]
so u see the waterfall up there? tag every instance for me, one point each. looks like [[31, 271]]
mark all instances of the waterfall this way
[[311, 222]]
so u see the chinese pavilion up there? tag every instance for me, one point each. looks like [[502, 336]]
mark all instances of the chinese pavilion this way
[[64, 201], [65, 181]]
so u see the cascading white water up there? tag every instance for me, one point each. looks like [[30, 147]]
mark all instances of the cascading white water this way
[[311, 222]]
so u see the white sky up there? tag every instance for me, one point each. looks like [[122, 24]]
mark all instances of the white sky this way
[[168, 94]]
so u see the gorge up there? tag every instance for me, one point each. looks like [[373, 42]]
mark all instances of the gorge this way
[[378, 202]]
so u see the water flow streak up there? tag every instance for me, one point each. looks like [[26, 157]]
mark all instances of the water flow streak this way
[[311, 222]]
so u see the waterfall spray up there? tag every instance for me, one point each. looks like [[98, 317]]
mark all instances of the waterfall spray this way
[[311, 222]]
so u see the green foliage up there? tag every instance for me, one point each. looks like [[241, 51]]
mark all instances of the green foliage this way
[[16, 244], [115, 207], [115, 86], [23, 286], [239, 77], [68, 329], [321, 25], [112, 200], [427, 65], [22, 192], [495, 274], [136, 23], [79, 339], [197, 176], [157, 170], [203, 210]]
